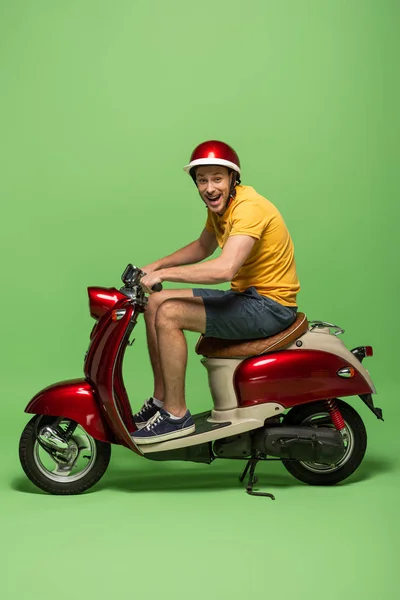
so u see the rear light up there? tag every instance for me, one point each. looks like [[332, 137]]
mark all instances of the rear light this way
[[362, 351]]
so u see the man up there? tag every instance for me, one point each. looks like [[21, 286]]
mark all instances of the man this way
[[257, 259]]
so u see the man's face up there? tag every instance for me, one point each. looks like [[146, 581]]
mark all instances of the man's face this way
[[214, 184]]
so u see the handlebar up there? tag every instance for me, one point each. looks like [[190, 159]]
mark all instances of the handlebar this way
[[132, 276]]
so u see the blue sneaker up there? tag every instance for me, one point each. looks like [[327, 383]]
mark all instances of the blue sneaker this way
[[148, 410], [162, 428]]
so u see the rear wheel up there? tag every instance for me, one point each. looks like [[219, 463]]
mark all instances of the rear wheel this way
[[354, 437], [72, 468]]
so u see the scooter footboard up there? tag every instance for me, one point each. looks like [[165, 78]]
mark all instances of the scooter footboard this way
[[74, 399]]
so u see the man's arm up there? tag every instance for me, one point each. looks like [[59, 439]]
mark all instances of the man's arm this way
[[194, 252], [218, 270]]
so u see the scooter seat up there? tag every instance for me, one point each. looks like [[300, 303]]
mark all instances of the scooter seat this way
[[218, 348]]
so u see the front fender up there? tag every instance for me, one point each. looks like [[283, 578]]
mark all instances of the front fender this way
[[74, 399]]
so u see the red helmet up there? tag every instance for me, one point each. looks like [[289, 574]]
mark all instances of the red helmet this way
[[214, 153]]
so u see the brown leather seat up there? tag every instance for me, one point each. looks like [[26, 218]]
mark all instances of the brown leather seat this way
[[218, 348]]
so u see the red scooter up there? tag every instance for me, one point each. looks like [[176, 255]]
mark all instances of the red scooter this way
[[274, 399]]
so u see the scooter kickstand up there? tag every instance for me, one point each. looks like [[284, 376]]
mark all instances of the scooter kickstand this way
[[243, 475], [253, 479]]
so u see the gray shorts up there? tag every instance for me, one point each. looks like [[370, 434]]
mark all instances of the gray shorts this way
[[243, 315]]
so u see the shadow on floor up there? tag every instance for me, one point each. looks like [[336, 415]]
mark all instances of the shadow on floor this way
[[169, 476]]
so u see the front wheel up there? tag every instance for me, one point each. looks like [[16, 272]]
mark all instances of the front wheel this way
[[58, 466], [354, 437]]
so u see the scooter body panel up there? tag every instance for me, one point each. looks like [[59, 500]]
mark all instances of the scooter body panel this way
[[218, 425], [107, 416], [292, 377], [103, 368], [102, 300], [74, 399]]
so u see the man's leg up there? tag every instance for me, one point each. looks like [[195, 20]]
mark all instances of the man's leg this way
[[174, 316], [170, 351], [155, 300]]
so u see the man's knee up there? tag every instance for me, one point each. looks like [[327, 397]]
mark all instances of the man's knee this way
[[167, 312], [159, 298], [153, 302]]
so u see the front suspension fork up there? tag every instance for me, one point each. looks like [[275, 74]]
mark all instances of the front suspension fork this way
[[53, 438]]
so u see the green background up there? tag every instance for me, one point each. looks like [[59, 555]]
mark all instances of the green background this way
[[101, 106]]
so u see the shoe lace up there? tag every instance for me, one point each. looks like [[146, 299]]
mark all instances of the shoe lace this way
[[157, 418], [145, 406]]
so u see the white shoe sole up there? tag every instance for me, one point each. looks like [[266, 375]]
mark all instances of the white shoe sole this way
[[166, 436]]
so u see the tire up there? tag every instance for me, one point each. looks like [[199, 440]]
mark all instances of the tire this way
[[318, 474], [60, 481]]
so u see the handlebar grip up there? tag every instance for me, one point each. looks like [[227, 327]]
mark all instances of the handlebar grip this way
[[157, 287]]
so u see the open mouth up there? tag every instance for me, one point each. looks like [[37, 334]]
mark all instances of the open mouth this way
[[214, 200]]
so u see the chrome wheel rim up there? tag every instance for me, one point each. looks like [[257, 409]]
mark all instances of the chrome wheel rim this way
[[348, 439], [83, 456]]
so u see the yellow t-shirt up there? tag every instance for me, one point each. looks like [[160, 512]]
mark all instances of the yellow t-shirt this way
[[271, 266]]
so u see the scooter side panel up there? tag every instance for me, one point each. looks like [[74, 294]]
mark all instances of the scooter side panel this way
[[292, 377], [321, 339], [75, 400], [103, 369]]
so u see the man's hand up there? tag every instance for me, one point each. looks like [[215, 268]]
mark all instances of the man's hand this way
[[149, 268], [149, 280]]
